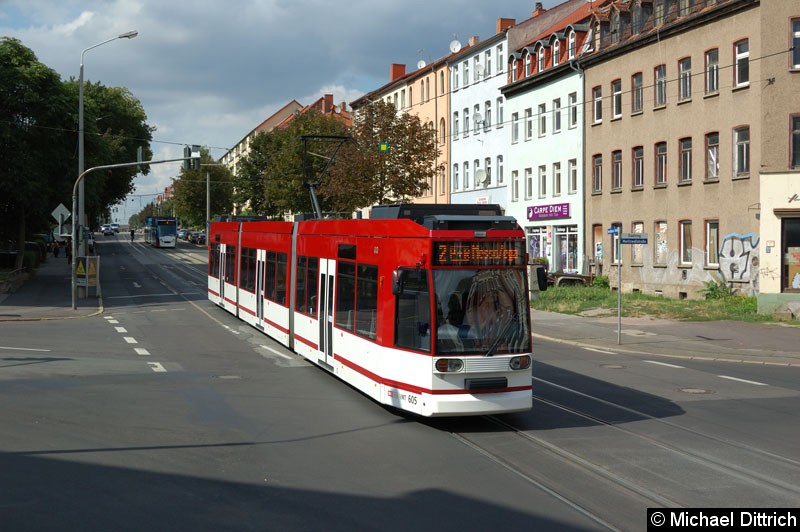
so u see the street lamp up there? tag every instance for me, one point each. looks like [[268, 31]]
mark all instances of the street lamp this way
[[78, 218]]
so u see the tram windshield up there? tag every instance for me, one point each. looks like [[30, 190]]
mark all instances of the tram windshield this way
[[481, 311]]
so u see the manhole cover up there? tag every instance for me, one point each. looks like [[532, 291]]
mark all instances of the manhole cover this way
[[612, 366], [694, 390]]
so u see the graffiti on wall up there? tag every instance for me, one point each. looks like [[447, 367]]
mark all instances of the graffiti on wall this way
[[738, 257]]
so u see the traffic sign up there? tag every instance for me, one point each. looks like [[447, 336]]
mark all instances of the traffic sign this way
[[633, 238], [614, 230]]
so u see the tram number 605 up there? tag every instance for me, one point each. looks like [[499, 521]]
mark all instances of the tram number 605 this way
[[412, 399]]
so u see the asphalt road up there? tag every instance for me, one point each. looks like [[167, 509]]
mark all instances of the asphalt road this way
[[166, 413]]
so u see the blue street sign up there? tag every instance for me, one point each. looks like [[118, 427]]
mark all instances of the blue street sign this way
[[613, 230]]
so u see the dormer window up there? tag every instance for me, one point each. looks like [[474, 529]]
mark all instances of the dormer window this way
[[528, 64], [556, 51], [541, 59], [571, 45]]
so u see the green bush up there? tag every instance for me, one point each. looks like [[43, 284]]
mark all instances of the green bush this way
[[601, 281], [717, 289]]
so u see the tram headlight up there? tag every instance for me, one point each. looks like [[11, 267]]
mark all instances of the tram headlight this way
[[449, 365], [518, 363]]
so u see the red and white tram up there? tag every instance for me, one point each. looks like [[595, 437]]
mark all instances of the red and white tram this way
[[422, 307]]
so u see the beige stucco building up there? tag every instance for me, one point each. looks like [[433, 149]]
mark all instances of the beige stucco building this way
[[688, 114]]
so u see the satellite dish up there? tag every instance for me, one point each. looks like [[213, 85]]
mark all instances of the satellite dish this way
[[480, 177], [478, 118], [420, 64], [455, 46]]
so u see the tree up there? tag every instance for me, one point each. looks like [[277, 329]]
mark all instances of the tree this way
[[190, 191], [362, 175], [34, 152], [271, 179]]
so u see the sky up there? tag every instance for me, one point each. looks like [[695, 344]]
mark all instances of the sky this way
[[208, 72]]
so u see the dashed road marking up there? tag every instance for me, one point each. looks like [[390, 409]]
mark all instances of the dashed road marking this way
[[742, 380], [664, 364], [130, 339], [158, 368], [142, 351]]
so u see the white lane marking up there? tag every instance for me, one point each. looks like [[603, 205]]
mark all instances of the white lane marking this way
[[130, 339], [113, 322], [141, 351], [599, 351], [742, 380], [664, 364], [24, 349], [158, 368], [121, 329], [287, 357]]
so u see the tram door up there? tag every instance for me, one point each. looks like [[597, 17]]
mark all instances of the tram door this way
[[327, 273], [260, 268]]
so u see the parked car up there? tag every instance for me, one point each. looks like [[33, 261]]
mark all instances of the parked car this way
[[107, 229], [182, 233], [198, 237], [115, 227]]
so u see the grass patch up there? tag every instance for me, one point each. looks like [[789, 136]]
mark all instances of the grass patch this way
[[579, 299]]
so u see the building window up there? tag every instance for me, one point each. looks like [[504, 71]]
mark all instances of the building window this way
[[540, 59], [661, 163], [659, 12], [660, 247], [514, 70], [741, 151], [465, 72], [572, 171], [528, 64], [455, 78], [742, 68], [528, 123], [616, 98], [637, 96], [455, 176], [487, 167], [616, 170], [542, 181], [795, 141], [712, 156], [476, 119], [573, 110], [528, 183], [556, 179], [685, 7], [476, 71], [685, 79], [597, 173], [790, 276], [637, 250], [660, 85], [466, 122], [638, 167], [712, 71], [542, 120], [514, 128], [455, 125], [615, 243], [500, 176], [466, 175], [796, 43], [712, 243], [685, 160], [487, 115], [442, 131], [500, 118], [557, 115], [571, 44], [487, 68], [514, 185], [685, 236], [597, 104], [556, 52], [476, 167]]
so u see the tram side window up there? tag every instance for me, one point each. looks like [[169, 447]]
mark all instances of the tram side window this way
[[213, 261], [247, 275], [413, 310], [275, 277], [345, 295], [367, 300], [307, 278], [230, 264]]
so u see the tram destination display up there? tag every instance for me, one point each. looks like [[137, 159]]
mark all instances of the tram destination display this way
[[477, 253]]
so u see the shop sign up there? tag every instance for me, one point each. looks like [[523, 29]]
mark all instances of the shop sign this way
[[548, 212]]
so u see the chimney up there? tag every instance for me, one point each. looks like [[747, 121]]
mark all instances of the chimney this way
[[473, 40], [327, 103], [538, 10], [397, 71], [504, 23]]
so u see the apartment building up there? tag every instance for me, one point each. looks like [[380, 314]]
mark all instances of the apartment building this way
[[544, 96], [687, 105], [478, 141]]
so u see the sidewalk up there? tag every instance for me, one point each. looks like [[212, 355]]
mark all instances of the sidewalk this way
[[703, 340], [47, 295]]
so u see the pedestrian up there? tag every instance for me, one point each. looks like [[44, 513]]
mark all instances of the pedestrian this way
[[133, 233], [56, 248]]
